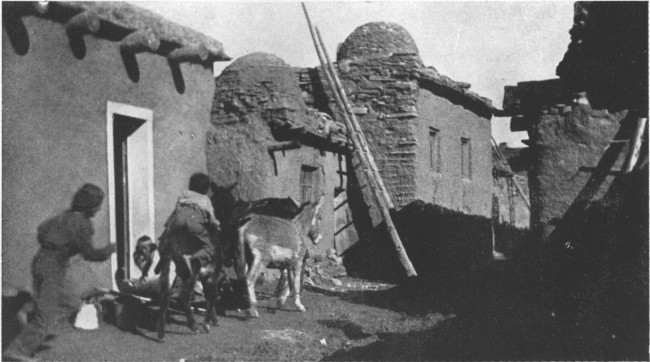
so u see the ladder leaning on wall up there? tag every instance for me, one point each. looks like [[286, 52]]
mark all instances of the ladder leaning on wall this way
[[361, 149]]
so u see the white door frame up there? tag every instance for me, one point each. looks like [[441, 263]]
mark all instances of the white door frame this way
[[147, 116]]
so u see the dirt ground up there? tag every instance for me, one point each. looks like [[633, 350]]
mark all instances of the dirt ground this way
[[478, 318]]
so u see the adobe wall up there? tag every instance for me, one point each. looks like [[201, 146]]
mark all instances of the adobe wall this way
[[444, 245], [54, 135], [449, 188], [567, 143], [249, 95]]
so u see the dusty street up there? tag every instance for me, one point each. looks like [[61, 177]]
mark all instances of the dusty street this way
[[488, 316], [476, 321]]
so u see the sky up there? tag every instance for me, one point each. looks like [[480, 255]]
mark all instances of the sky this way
[[489, 44]]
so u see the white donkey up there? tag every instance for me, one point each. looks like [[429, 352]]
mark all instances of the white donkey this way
[[281, 244]]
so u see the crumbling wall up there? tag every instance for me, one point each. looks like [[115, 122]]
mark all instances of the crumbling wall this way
[[250, 94], [257, 104]]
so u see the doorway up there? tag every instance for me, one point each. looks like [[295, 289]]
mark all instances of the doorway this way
[[130, 179]]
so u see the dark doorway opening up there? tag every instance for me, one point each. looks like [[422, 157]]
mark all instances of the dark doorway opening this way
[[123, 127]]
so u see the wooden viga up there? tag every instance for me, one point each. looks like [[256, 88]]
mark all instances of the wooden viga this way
[[362, 150]]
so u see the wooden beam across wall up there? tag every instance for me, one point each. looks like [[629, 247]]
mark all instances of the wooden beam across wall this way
[[282, 146]]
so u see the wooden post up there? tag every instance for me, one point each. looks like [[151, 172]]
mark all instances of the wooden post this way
[[282, 146], [635, 144], [361, 148]]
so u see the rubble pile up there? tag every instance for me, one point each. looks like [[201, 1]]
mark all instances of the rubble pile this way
[[325, 270]]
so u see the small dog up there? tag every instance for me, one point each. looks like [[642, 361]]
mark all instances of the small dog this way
[[143, 254]]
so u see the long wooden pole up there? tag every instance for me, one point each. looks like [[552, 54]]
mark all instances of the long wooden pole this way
[[355, 124], [374, 179], [634, 149]]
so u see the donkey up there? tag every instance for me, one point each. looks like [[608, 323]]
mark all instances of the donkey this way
[[279, 243], [173, 247], [233, 212]]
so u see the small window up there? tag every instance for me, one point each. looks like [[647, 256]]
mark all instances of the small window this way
[[309, 183], [434, 150], [466, 158]]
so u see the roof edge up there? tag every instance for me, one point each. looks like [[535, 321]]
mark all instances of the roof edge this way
[[117, 20]]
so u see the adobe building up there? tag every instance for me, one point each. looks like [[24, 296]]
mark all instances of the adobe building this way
[[567, 140], [98, 92], [276, 132], [589, 194], [431, 139], [579, 125], [429, 134], [264, 138]]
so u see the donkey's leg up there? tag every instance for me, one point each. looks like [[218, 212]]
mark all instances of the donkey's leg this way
[[211, 291], [252, 275], [282, 290], [297, 282], [186, 295], [164, 297], [241, 269]]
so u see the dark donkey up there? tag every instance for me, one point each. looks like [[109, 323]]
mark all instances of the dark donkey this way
[[279, 243], [174, 245]]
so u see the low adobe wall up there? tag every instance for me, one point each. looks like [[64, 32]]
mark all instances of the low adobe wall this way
[[442, 244]]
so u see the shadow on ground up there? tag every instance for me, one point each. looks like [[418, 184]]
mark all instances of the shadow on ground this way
[[494, 314]]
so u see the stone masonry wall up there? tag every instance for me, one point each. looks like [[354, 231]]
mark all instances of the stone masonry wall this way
[[384, 99]]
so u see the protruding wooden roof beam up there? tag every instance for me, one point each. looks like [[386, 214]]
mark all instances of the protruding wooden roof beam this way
[[193, 54], [283, 146], [140, 41], [86, 22]]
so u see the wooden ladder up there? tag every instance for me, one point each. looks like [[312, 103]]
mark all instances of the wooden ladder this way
[[362, 150]]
